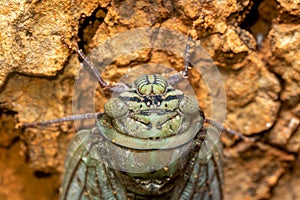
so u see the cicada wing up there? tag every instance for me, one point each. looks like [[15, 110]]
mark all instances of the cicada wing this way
[[203, 176], [86, 176], [210, 175]]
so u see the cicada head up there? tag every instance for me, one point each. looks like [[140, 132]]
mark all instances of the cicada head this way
[[150, 130]]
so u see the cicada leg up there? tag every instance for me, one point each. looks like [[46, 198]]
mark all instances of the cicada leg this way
[[117, 88]]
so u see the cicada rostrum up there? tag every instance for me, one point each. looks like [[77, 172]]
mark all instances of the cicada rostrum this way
[[149, 143]]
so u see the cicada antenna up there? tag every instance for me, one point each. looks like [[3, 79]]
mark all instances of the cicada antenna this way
[[229, 131]]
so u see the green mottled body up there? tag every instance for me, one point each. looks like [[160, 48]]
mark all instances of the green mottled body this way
[[146, 145]]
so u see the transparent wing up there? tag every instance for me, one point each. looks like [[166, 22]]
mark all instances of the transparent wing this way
[[210, 175], [86, 177], [203, 176]]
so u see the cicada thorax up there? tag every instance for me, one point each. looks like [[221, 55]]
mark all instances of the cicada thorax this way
[[150, 132]]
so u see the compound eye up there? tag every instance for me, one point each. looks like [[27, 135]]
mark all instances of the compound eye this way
[[115, 108], [189, 105]]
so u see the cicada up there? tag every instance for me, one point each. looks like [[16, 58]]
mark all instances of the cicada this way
[[149, 143], [145, 146]]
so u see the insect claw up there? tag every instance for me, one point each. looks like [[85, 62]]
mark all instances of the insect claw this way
[[239, 135], [24, 125], [184, 74]]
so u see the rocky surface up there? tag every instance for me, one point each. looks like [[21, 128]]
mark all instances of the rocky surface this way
[[254, 45]]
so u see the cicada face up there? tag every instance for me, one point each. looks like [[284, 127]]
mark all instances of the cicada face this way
[[149, 132]]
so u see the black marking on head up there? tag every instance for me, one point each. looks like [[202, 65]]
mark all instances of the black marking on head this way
[[126, 98], [172, 97]]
